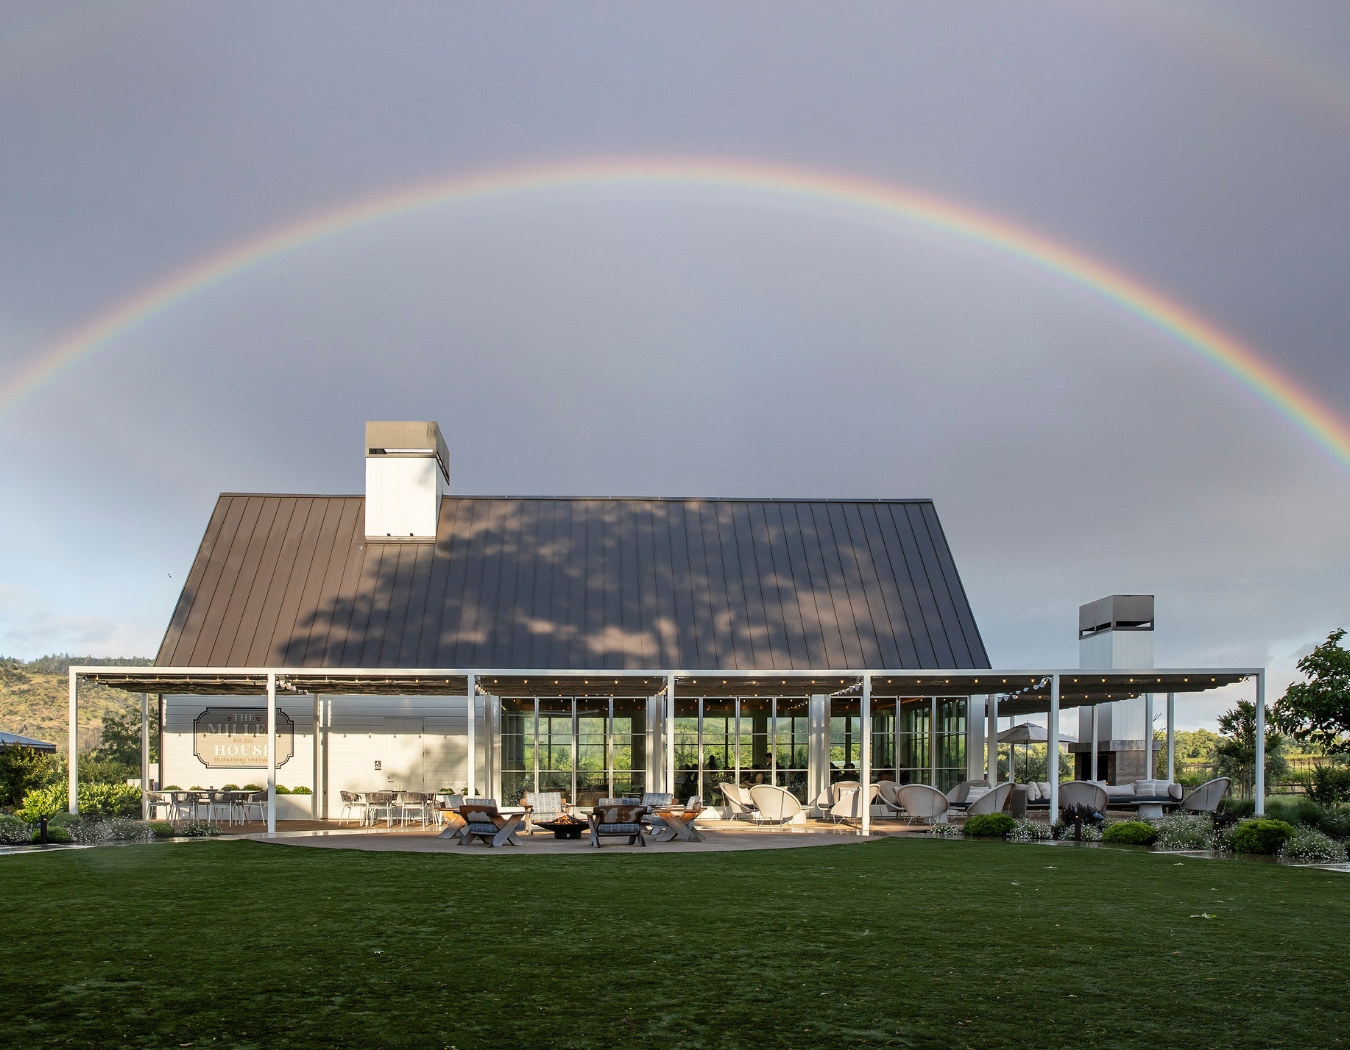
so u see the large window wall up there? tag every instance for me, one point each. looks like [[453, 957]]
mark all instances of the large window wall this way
[[760, 740], [587, 749]]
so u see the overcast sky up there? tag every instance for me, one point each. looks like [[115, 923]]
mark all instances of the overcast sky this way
[[682, 340]]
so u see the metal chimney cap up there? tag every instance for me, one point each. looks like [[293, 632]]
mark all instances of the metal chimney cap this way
[[409, 439], [1116, 612]]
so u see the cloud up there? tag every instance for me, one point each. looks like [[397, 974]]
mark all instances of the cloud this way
[[28, 630]]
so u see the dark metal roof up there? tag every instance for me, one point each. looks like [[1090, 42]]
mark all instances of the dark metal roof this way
[[528, 583]]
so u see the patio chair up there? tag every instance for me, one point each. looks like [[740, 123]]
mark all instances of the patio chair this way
[[611, 818], [1206, 798], [482, 821], [838, 788], [742, 808], [446, 811], [652, 799], [847, 809], [1083, 793], [377, 802], [414, 805], [254, 801], [959, 796], [925, 803], [541, 807], [218, 802], [774, 805], [824, 803], [889, 793], [353, 807], [992, 801]]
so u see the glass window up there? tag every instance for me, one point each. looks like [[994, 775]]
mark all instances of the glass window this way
[[719, 749], [845, 743], [883, 739], [951, 741], [628, 747], [517, 749], [592, 745], [686, 751], [916, 721], [555, 746], [756, 755], [792, 751]]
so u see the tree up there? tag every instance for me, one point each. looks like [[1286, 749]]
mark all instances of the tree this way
[[1319, 709], [1236, 749]]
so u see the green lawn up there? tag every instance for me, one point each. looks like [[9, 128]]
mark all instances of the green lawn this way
[[893, 943]]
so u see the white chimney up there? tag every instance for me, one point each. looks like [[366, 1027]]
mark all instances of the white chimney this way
[[407, 469]]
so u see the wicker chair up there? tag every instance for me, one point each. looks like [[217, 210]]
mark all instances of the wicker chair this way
[[1206, 798]]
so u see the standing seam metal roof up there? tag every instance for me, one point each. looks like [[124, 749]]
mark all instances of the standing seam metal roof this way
[[537, 583]]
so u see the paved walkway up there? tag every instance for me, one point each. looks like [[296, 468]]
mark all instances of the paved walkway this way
[[716, 840]]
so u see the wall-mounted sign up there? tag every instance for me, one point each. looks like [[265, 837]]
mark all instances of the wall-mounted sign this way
[[236, 737]]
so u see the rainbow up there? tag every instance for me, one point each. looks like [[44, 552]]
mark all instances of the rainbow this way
[[1240, 362]]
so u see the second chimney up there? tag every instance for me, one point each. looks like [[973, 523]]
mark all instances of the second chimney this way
[[407, 469]]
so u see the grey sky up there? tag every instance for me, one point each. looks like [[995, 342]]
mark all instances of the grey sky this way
[[685, 341]]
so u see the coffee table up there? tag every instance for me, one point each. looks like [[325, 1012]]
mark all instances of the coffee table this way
[[679, 823]]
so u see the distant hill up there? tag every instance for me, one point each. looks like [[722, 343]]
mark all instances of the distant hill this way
[[34, 698]]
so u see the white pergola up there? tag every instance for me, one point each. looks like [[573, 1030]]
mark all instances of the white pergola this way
[[1016, 692]]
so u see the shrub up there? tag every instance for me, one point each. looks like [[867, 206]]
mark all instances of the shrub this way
[[944, 830], [1329, 784], [1309, 846], [198, 829], [1027, 830], [1261, 836], [116, 829], [109, 800], [301, 791], [989, 825], [24, 769], [44, 802], [1237, 807], [251, 787], [1181, 831], [162, 829], [13, 830], [1130, 833], [230, 787], [55, 833], [283, 790]]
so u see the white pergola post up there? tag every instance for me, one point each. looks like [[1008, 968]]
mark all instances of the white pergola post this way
[[271, 754], [315, 809], [73, 747], [1148, 737], [472, 712], [865, 758], [1093, 774], [1171, 738], [670, 733], [1260, 786], [1052, 749], [993, 740], [145, 755]]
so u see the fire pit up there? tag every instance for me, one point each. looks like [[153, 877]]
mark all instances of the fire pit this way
[[565, 827]]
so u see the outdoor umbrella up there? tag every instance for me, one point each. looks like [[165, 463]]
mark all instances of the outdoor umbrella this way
[[1026, 734]]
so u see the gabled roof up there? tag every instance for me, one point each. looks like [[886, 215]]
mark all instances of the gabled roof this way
[[528, 583]]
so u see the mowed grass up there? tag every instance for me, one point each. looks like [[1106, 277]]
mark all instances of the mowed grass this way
[[891, 943]]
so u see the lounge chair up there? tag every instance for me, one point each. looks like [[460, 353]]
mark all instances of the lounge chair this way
[[740, 805], [847, 810], [617, 818], [1082, 793], [482, 821], [888, 792], [922, 802], [774, 805], [992, 801], [1206, 798], [541, 807], [959, 796]]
